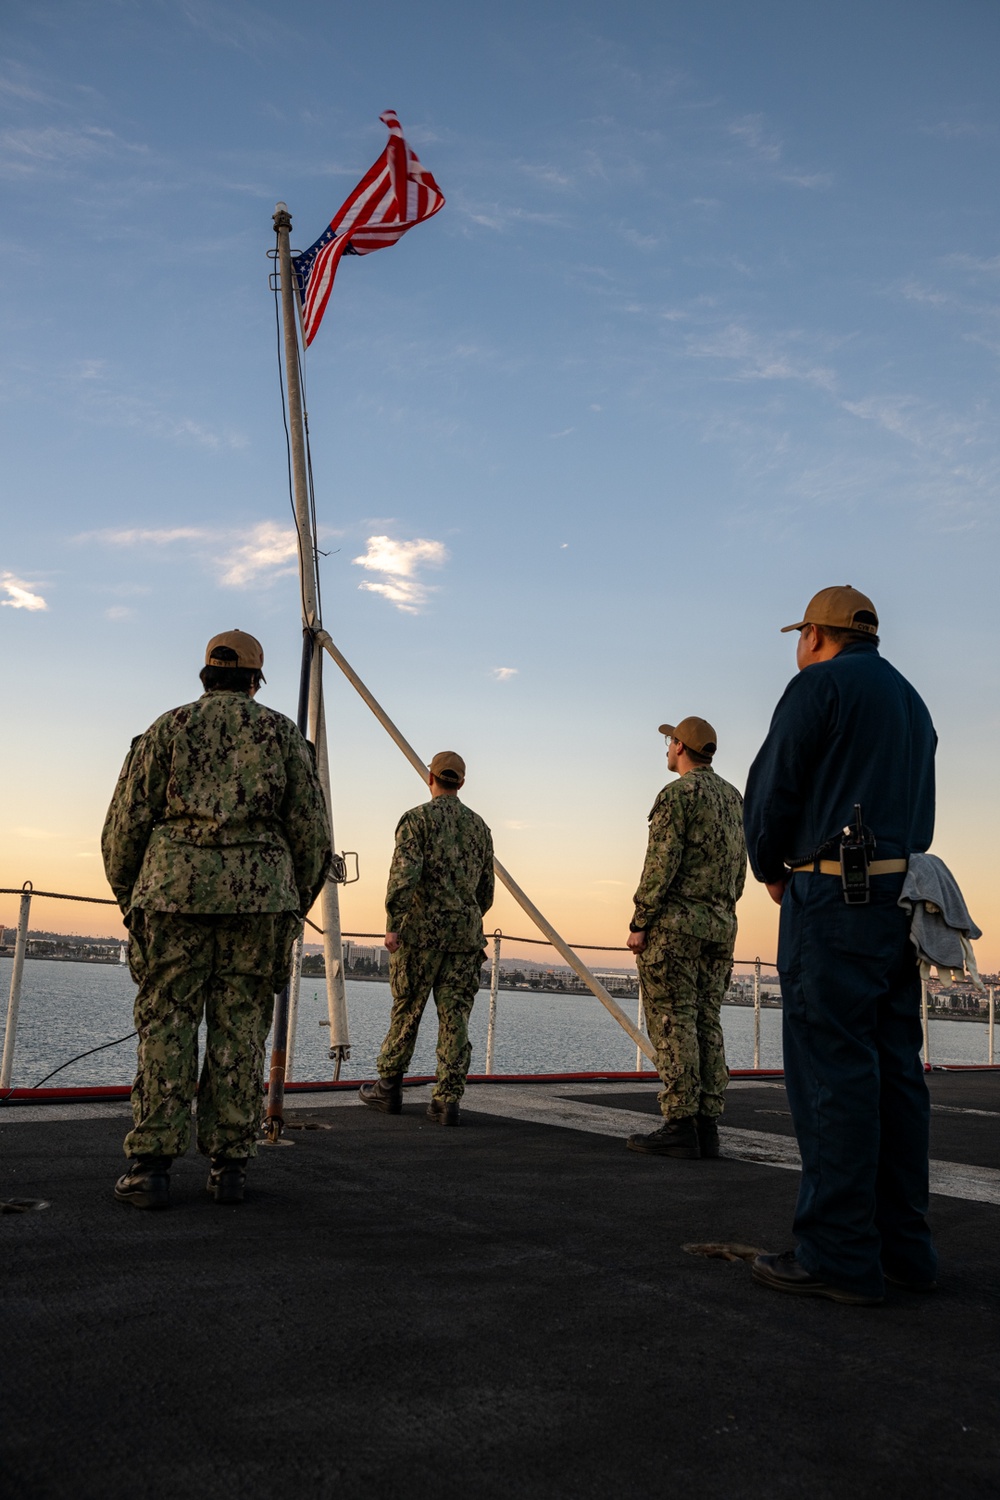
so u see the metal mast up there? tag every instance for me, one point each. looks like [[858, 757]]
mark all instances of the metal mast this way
[[311, 690]]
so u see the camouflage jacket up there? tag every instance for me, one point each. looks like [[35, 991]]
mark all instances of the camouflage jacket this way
[[696, 859], [218, 808], [441, 877]]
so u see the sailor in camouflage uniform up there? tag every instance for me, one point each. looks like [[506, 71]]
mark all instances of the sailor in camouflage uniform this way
[[216, 845], [683, 934], [440, 887]]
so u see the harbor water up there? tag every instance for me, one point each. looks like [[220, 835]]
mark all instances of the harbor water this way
[[68, 1008]]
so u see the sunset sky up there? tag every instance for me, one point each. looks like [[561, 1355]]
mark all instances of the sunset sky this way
[[710, 320]]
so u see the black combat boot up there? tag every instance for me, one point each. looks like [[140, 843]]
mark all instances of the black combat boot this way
[[708, 1137], [227, 1179], [444, 1112], [385, 1094], [678, 1138], [146, 1184]]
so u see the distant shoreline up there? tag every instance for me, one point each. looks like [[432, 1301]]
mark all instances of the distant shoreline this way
[[767, 1002], [65, 958]]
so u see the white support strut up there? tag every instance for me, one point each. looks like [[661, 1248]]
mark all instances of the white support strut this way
[[324, 639]]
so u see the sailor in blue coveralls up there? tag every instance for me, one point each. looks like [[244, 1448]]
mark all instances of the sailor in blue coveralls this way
[[849, 729]]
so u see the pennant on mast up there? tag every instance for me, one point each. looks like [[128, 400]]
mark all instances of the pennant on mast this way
[[395, 193]]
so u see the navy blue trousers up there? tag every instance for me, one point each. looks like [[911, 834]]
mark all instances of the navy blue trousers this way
[[850, 991]]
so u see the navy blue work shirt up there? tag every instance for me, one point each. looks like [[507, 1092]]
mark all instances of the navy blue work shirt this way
[[847, 730]]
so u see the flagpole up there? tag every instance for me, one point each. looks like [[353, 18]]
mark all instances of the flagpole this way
[[312, 660]]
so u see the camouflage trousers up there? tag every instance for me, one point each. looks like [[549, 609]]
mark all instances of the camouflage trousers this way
[[684, 980], [226, 968], [454, 978]]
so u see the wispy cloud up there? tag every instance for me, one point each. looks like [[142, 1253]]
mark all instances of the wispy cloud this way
[[400, 563], [28, 151], [504, 216], [265, 552], [119, 612], [916, 422], [271, 549], [767, 150], [752, 134], [915, 291], [758, 358], [504, 674], [953, 130], [13, 88], [546, 174], [239, 28], [120, 410], [143, 536], [989, 264], [22, 595], [808, 179]]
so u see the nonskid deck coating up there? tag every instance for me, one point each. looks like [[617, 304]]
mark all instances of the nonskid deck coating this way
[[505, 1309]]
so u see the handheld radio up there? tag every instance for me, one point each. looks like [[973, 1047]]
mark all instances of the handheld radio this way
[[855, 849]]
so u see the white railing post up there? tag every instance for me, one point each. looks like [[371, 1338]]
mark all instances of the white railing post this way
[[992, 1017], [925, 1022], [294, 985], [14, 1002], [756, 1012], [491, 1030], [640, 1017]]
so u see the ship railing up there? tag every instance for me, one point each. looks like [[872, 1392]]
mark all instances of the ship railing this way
[[497, 938], [27, 893]]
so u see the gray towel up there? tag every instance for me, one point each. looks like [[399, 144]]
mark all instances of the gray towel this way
[[941, 929]]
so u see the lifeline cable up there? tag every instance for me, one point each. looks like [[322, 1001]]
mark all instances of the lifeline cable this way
[[79, 1058], [81, 1055]]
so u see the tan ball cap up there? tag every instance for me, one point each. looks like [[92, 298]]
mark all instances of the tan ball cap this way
[[234, 648], [697, 734], [842, 607], [448, 768]]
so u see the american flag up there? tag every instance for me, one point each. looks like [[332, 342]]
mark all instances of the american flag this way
[[394, 194]]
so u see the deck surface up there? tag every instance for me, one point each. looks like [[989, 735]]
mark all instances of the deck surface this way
[[501, 1310]]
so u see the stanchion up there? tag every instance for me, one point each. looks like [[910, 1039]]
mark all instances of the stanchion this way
[[990, 1028], [294, 985], [16, 974], [494, 985]]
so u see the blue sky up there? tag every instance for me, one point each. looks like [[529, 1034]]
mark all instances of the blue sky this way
[[710, 320]]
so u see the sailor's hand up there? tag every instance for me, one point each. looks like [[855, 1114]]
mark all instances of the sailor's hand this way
[[392, 941], [637, 941], [776, 890]]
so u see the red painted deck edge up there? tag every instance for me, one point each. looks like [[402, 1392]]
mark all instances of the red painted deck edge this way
[[85, 1095]]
